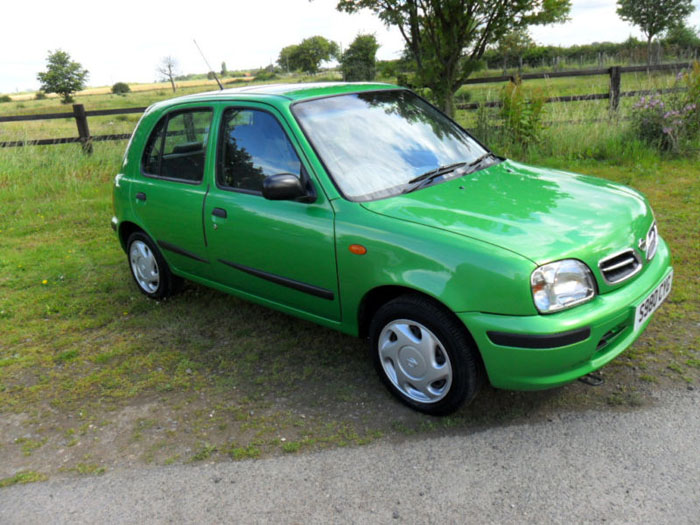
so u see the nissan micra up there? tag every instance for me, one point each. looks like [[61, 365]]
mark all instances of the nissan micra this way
[[363, 208]]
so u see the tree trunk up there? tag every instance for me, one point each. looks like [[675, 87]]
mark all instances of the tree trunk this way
[[172, 83], [445, 97], [649, 50]]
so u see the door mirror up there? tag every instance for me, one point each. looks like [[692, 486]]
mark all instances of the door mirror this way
[[283, 187]]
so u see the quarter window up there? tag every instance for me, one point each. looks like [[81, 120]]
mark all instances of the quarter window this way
[[253, 146], [177, 146]]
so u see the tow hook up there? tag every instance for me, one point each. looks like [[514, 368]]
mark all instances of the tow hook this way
[[592, 379]]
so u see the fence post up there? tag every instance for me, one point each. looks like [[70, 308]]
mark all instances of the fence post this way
[[83, 130], [614, 87]]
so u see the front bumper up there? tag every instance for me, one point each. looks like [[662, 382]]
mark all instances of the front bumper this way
[[592, 335]]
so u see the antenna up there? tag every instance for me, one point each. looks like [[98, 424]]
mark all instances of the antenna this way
[[207, 63]]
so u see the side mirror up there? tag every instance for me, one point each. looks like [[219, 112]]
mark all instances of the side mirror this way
[[283, 187]]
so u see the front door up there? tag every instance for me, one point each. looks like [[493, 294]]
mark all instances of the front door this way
[[279, 251]]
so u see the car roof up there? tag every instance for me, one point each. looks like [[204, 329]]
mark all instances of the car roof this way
[[279, 92]]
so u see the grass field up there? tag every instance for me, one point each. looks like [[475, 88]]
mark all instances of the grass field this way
[[94, 376]]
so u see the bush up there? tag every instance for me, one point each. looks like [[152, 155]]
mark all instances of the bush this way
[[522, 113], [5, 98], [121, 88], [673, 124], [40, 95], [265, 75]]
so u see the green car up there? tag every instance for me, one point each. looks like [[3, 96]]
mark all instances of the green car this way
[[363, 208]]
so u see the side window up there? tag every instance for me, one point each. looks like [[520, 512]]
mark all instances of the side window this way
[[253, 146], [176, 148]]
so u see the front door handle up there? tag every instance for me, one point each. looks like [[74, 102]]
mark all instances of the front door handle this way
[[219, 212], [141, 196]]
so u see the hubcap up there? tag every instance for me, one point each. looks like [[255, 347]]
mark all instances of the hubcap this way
[[415, 361], [144, 266]]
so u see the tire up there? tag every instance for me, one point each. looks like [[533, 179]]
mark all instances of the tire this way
[[424, 355], [149, 269]]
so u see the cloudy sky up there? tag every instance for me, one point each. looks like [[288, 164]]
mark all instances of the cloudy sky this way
[[125, 40]]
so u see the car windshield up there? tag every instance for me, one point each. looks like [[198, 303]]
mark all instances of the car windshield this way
[[377, 144]]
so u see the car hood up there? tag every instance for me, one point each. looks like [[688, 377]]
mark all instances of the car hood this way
[[541, 214]]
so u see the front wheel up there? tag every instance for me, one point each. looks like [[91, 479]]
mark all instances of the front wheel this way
[[424, 355]]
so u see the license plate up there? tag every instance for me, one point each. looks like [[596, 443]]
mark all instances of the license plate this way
[[649, 305]]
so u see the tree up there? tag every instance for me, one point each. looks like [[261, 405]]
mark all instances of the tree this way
[[654, 16], [286, 59], [224, 71], [359, 60], [168, 70], [308, 55], [447, 38], [62, 76]]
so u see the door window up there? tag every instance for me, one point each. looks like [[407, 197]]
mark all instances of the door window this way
[[177, 146], [253, 146]]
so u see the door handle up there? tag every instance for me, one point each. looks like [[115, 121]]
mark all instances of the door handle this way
[[141, 196], [219, 212]]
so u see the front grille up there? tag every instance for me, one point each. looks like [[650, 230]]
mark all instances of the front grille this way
[[620, 266]]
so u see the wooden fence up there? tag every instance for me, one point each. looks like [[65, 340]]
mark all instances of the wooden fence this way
[[614, 94], [80, 116]]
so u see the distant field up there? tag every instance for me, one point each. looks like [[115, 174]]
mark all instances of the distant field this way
[[146, 94], [153, 86]]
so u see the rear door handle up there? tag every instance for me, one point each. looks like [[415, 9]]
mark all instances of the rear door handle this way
[[141, 196], [219, 212]]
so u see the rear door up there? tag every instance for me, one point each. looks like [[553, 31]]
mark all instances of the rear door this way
[[169, 195]]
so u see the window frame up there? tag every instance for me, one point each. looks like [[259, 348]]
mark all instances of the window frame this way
[[303, 175], [165, 120]]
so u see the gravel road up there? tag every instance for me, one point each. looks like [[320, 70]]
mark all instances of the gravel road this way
[[641, 466]]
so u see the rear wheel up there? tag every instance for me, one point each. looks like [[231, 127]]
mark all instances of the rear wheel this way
[[424, 356], [150, 271]]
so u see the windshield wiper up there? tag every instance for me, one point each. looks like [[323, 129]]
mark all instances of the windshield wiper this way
[[429, 176], [474, 164]]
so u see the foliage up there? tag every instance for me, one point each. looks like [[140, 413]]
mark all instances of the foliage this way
[[121, 88], [522, 113], [62, 76], [308, 55], [631, 50], [359, 60], [5, 98], [286, 57], [266, 74], [40, 95], [672, 124], [513, 45], [447, 37], [224, 70], [682, 36], [654, 16]]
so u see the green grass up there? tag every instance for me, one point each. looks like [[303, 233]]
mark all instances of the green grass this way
[[26, 476]]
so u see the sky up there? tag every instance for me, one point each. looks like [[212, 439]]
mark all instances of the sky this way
[[124, 41]]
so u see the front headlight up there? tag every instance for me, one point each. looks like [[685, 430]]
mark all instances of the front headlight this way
[[561, 284]]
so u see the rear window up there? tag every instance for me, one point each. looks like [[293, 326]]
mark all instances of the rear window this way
[[176, 149]]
